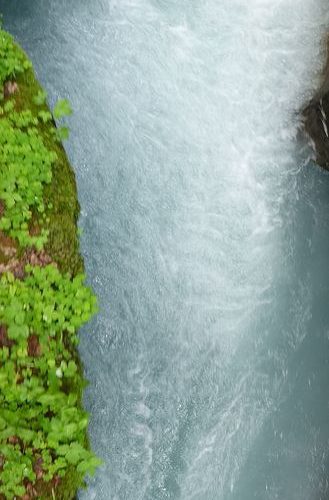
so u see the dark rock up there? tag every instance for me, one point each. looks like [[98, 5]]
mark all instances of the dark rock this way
[[316, 119], [316, 125]]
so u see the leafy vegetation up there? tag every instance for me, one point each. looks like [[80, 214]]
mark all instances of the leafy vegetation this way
[[44, 450], [25, 168], [13, 61]]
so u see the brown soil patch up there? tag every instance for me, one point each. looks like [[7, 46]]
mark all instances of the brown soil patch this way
[[5, 341], [33, 346], [10, 88], [30, 256]]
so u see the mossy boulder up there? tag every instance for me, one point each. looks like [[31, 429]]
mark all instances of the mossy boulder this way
[[44, 449]]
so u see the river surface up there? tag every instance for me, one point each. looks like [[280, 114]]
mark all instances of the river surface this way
[[206, 238]]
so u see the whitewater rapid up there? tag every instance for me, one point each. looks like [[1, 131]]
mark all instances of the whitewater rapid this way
[[205, 236]]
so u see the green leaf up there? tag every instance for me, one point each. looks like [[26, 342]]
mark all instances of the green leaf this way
[[20, 317], [16, 332], [45, 116], [40, 98], [89, 465], [9, 106], [63, 133], [62, 108]]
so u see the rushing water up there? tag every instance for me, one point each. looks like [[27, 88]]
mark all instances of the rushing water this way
[[206, 238]]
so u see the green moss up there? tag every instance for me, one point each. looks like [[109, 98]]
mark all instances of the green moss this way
[[59, 219], [63, 241], [66, 490]]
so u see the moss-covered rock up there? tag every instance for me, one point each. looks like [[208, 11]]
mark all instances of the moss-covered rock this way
[[61, 194], [43, 300]]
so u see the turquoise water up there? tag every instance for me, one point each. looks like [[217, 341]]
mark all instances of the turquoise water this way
[[206, 238]]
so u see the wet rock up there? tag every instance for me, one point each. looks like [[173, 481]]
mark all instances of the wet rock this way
[[316, 119], [316, 126]]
